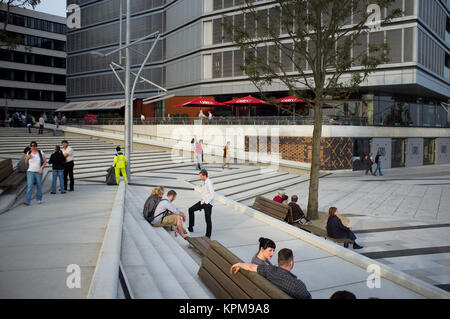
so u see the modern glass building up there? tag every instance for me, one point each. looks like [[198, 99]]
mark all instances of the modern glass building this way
[[33, 74], [195, 57]]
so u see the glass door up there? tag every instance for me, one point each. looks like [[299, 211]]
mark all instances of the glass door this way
[[398, 152], [429, 147]]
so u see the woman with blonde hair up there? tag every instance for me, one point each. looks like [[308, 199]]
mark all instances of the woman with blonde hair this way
[[152, 202], [336, 229]]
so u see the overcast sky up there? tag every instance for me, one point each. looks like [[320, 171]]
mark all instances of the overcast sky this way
[[56, 7]]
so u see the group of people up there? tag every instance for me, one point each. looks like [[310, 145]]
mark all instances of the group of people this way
[[368, 161], [335, 227], [202, 115], [298, 215], [33, 163], [197, 145], [160, 211], [281, 275], [21, 120]]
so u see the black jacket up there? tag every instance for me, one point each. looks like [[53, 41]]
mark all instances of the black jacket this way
[[335, 228], [57, 160], [297, 212]]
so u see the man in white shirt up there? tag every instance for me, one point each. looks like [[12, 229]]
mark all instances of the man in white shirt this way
[[206, 203], [166, 214], [142, 117], [68, 167]]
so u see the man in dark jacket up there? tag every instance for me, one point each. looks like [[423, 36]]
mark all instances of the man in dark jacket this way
[[336, 229], [297, 214], [58, 162]]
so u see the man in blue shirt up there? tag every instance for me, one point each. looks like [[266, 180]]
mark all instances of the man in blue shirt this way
[[378, 160]]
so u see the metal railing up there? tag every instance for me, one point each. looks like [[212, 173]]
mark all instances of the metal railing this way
[[253, 120]]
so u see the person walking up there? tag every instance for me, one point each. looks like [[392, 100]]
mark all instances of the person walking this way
[[120, 163], [41, 124], [226, 156], [58, 162], [68, 166], [36, 161], [206, 203], [378, 160]]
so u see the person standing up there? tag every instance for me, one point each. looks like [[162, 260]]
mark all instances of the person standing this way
[[199, 153], [56, 125], [226, 156], [29, 122], [206, 203], [120, 163], [378, 160], [142, 118], [41, 124], [210, 116], [68, 166], [58, 162], [36, 161], [201, 115]]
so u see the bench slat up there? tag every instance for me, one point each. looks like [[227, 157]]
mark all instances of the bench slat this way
[[229, 285], [200, 243], [251, 289], [213, 285], [271, 290]]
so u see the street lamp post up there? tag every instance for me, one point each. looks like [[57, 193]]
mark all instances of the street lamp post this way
[[128, 104]]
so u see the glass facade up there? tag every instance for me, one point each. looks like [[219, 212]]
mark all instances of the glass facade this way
[[32, 58], [29, 76], [36, 95], [408, 111], [398, 154], [39, 42], [33, 23]]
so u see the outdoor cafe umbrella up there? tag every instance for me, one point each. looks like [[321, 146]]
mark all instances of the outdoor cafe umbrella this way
[[201, 101], [246, 100], [290, 100]]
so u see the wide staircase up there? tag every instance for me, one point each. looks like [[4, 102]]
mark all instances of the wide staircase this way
[[92, 156], [153, 260]]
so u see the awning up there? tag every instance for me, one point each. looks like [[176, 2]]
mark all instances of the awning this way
[[93, 105]]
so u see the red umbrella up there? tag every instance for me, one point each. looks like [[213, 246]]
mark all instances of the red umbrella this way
[[246, 100], [201, 101], [290, 99]]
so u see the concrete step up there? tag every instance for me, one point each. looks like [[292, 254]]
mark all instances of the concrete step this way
[[249, 185], [143, 168], [81, 164], [249, 180], [156, 265], [180, 263], [137, 164], [141, 282], [244, 195], [227, 178]]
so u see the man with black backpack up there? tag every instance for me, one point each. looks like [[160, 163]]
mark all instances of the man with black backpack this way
[[35, 161], [162, 213]]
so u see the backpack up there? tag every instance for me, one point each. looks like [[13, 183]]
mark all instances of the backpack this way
[[150, 207]]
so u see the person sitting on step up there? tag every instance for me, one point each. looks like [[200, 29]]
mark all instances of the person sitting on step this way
[[166, 214]]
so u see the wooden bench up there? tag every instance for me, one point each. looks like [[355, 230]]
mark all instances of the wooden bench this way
[[8, 177], [323, 233], [215, 274], [272, 208], [200, 243]]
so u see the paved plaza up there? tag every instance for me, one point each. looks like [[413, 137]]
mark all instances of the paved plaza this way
[[402, 219]]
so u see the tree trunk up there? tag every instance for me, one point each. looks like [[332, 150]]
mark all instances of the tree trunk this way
[[313, 198]]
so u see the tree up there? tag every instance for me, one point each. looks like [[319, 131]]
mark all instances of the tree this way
[[7, 40], [306, 45]]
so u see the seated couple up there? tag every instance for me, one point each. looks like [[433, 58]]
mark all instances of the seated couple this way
[[297, 214], [280, 276], [160, 211]]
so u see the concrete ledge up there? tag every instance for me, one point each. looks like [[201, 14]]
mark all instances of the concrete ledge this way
[[105, 280], [416, 285]]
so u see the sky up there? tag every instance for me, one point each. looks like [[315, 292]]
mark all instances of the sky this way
[[56, 7]]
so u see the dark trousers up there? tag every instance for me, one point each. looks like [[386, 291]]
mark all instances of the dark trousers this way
[[208, 211], [41, 129], [350, 235], [369, 168], [68, 172]]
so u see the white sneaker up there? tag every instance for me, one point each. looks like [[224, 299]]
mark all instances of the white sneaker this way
[[39, 202]]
